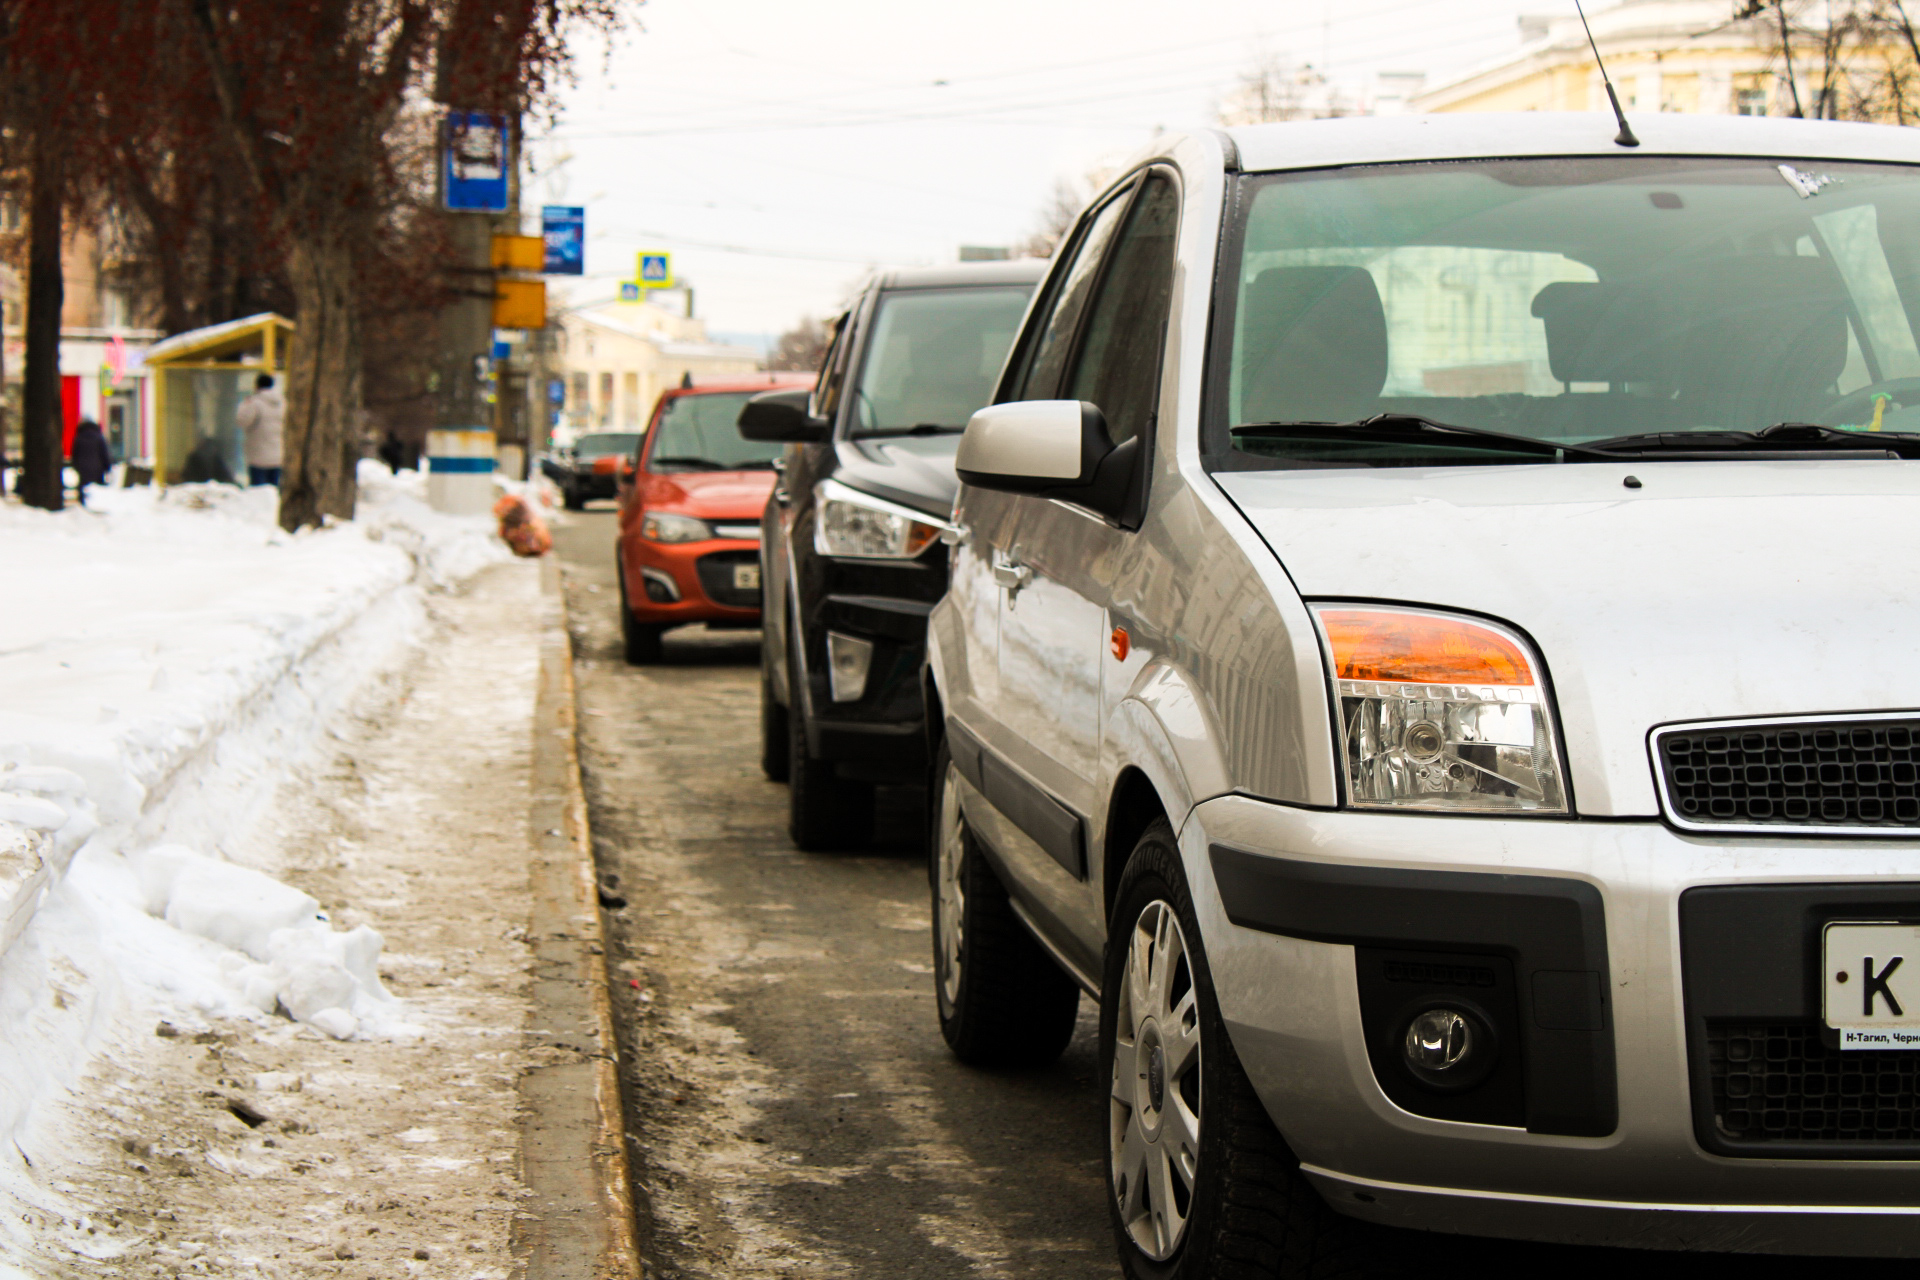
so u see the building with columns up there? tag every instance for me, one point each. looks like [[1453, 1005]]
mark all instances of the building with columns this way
[[615, 358], [1664, 55]]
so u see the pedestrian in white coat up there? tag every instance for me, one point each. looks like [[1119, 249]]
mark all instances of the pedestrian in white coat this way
[[261, 419]]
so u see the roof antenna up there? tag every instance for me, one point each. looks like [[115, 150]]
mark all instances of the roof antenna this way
[[1625, 137]]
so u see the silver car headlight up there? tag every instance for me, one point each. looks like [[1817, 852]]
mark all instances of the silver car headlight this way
[[860, 526], [1440, 712], [664, 526]]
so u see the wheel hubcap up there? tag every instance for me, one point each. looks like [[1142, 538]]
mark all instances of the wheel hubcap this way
[[950, 852], [1154, 1107]]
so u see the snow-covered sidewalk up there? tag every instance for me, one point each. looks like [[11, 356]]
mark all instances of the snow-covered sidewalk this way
[[263, 805]]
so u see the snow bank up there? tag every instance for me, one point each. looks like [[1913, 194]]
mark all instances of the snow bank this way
[[166, 658]]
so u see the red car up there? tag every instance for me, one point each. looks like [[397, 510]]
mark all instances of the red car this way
[[689, 548]]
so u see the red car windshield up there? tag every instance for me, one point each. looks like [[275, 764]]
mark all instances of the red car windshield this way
[[702, 433]]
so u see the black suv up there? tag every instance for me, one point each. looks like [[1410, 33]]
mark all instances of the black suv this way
[[850, 551]]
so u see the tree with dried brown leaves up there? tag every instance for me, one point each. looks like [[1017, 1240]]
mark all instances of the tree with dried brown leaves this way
[[300, 106]]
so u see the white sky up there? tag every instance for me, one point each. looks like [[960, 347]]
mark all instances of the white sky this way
[[777, 149]]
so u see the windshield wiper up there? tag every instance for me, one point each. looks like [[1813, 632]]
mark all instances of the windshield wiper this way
[[699, 464], [1409, 428], [1785, 440], [918, 429]]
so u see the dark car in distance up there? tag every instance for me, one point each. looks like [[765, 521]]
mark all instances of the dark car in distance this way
[[593, 467], [852, 561]]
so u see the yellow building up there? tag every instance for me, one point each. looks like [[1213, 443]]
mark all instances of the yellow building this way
[[617, 357], [1663, 55]]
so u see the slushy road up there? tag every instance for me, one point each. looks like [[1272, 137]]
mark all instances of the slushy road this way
[[793, 1109]]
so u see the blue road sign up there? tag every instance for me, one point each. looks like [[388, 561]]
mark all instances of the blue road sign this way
[[656, 271], [565, 228], [477, 153], [629, 291], [557, 390]]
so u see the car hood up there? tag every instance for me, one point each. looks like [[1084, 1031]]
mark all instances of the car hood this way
[[915, 471], [1717, 590], [712, 495]]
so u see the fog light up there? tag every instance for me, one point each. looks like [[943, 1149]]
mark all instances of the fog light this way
[[661, 589], [847, 661], [1439, 1040]]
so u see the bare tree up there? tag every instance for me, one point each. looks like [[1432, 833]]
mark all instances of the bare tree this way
[[801, 348], [1274, 89]]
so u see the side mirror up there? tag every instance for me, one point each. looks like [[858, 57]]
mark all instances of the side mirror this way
[[782, 416], [1049, 448]]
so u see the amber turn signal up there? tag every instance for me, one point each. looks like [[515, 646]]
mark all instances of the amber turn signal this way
[[1121, 645], [1375, 644]]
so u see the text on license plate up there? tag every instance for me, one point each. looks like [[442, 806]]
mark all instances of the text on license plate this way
[[746, 577], [1871, 985]]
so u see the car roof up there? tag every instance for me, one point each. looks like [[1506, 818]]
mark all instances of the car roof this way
[[772, 381], [1315, 144], [1016, 271]]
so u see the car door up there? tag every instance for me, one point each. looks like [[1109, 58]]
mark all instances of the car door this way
[[797, 470], [1055, 624]]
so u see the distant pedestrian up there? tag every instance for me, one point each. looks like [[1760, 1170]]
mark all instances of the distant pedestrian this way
[[393, 451], [90, 456], [261, 418]]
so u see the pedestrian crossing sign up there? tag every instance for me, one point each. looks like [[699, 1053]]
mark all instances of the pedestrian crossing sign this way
[[656, 270], [630, 291]]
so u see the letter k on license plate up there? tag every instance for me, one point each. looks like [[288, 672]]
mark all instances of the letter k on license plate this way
[[1871, 989]]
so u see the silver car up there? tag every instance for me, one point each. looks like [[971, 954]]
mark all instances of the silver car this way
[[1431, 650]]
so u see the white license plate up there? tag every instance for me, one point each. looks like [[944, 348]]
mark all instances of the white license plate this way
[[746, 577], [1871, 985]]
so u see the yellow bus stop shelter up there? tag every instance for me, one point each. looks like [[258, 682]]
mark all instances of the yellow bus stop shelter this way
[[199, 379]]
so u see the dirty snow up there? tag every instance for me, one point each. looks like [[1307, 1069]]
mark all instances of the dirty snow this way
[[171, 660]]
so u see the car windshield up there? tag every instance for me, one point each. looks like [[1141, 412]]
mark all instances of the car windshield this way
[[702, 433], [933, 357], [602, 444], [1569, 301]]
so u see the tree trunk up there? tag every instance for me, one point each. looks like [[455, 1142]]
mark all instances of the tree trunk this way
[[323, 387], [42, 421]]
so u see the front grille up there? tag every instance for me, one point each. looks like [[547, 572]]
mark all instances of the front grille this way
[[1779, 1082], [716, 578], [1841, 773]]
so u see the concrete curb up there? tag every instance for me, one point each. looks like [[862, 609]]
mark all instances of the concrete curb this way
[[573, 1147]]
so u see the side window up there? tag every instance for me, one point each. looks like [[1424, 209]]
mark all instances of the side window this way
[[1047, 359], [1119, 363], [833, 369]]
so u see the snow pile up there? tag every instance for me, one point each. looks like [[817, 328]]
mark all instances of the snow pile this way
[[302, 967], [166, 658]]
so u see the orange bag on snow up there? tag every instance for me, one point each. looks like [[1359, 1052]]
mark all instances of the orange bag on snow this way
[[523, 531]]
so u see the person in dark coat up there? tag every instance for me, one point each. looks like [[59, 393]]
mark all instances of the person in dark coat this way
[[90, 456]]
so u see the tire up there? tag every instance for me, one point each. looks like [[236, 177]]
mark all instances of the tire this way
[[776, 750], [825, 811], [571, 498], [640, 643], [1249, 1213], [1003, 1001]]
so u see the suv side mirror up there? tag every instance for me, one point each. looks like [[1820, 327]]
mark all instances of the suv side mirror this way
[[782, 416], [1049, 448]]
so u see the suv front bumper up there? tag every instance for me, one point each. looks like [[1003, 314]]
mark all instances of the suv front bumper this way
[[1620, 1139]]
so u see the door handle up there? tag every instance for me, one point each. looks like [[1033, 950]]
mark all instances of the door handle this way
[[1010, 573]]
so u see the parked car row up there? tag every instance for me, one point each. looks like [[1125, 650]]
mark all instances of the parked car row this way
[[1418, 635]]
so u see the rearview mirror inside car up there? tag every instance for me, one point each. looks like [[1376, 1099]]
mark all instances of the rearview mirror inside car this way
[[782, 416], [1050, 448]]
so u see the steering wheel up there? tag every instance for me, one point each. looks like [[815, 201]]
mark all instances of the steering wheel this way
[[1857, 406]]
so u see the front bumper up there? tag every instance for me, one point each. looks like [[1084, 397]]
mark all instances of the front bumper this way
[[701, 574], [1625, 1166]]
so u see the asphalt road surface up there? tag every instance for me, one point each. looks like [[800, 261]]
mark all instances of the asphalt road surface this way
[[792, 1108]]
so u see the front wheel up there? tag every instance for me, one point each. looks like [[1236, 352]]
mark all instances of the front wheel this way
[[1200, 1182], [571, 497], [640, 643], [775, 744], [825, 811], [1003, 1001]]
